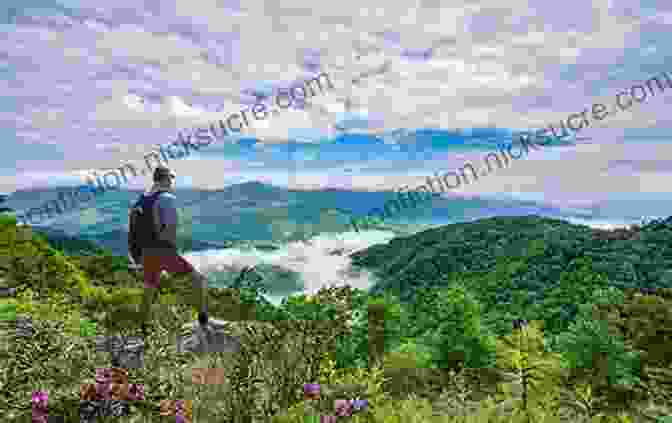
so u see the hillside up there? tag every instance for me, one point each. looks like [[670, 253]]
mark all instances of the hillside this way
[[543, 249], [453, 350]]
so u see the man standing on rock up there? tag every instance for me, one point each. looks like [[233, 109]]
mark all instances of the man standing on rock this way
[[152, 241]]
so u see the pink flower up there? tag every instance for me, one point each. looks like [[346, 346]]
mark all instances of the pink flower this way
[[327, 419], [103, 382], [343, 408], [103, 391], [136, 392], [103, 375], [311, 391], [39, 399], [40, 396], [39, 415]]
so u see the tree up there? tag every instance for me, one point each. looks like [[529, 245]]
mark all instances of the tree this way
[[457, 335], [589, 346], [561, 304]]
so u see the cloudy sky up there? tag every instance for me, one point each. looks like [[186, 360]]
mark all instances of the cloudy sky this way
[[89, 85]]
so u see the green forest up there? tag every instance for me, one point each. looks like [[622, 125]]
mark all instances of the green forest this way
[[506, 319]]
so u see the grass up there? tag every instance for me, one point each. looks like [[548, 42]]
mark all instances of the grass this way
[[60, 363], [264, 379]]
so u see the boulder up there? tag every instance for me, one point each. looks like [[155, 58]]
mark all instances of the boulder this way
[[90, 411], [212, 338], [24, 326], [125, 352]]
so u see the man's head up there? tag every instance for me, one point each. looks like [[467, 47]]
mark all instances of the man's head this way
[[164, 177]]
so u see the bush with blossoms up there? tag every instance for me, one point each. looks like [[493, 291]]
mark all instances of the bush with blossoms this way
[[39, 403], [342, 407], [110, 394], [182, 410]]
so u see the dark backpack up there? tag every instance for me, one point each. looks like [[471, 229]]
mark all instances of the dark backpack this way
[[142, 228]]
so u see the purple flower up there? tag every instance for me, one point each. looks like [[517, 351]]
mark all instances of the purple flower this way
[[519, 323], [343, 408], [359, 404], [327, 419], [103, 382], [179, 412], [311, 390], [103, 391], [103, 375], [39, 400], [136, 392], [39, 416]]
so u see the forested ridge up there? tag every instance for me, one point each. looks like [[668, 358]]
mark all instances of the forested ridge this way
[[509, 319]]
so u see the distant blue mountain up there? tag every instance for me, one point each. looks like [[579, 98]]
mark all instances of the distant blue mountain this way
[[3, 199], [261, 213]]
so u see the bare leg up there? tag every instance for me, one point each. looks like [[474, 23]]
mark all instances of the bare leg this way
[[147, 301], [200, 291]]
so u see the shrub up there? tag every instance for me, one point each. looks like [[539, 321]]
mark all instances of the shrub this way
[[589, 345], [538, 371], [458, 335]]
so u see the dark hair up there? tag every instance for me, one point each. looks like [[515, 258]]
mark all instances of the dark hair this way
[[162, 172]]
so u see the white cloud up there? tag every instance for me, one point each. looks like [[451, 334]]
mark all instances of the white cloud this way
[[480, 79]]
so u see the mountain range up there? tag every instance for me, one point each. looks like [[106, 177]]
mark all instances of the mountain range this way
[[257, 213]]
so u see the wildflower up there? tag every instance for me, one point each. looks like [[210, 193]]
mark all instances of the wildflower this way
[[87, 392], [119, 383], [119, 375], [136, 392], [198, 376], [39, 416], [40, 399], [103, 375], [311, 390], [359, 404], [327, 419], [179, 412], [343, 408], [103, 391], [182, 410], [519, 323], [166, 407], [210, 376]]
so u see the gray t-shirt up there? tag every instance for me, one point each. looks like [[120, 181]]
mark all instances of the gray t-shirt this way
[[166, 204], [165, 213]]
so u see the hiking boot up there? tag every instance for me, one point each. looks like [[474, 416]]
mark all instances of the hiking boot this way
[[203, 318]]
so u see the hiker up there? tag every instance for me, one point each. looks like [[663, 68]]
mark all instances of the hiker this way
[[152, 241]]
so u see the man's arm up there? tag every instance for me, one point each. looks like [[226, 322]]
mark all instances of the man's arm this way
[[134, 256]]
